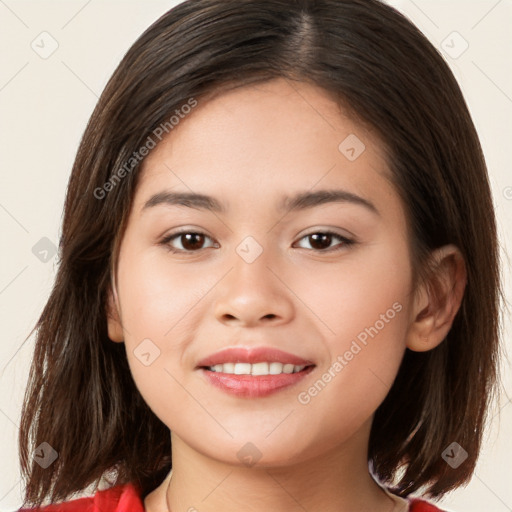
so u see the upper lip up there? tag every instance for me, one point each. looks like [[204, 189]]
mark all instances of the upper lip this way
[[252, 355]]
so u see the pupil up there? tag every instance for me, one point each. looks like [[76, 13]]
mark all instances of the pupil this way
[[317, 236], [191, 241]]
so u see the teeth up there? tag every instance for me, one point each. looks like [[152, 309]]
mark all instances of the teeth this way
[[242, 369], [256, 368]]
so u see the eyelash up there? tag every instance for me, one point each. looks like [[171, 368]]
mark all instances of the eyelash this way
[[346, 241]]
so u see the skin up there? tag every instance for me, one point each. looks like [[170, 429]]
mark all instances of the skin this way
[[248, 148]]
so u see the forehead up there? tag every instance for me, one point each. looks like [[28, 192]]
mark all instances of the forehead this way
[[278, 136]]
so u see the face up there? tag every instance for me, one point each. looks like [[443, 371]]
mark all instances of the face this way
[[326, 279]]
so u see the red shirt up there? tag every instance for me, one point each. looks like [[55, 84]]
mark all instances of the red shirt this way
[[127, 498]]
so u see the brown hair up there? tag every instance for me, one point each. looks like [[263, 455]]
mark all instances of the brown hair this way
[[81, 398]]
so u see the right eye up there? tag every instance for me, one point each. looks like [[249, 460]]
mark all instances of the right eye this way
[[190, 241]]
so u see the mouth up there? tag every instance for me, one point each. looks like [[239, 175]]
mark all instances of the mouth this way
[[253, 372]]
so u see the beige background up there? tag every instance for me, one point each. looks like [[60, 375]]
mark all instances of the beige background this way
[[46, 102]]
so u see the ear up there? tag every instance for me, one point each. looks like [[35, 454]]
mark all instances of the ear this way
[[115, 328], [438, 300]]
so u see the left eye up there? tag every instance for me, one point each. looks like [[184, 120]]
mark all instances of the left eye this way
[[192, 241], [322, 239]]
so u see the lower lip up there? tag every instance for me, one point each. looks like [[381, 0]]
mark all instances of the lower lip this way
[[254, 386]]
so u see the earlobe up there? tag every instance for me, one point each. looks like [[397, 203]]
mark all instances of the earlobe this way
[[438, 300], [115, 328]]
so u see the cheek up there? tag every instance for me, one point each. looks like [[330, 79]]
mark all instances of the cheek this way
[[363, 309], [365, 288], [159, 312], [364, 357], [157, 296]]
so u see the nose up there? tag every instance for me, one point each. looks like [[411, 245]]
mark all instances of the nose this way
[[254, 294]]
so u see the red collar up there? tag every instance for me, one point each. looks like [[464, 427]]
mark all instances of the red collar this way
[[127, 498]]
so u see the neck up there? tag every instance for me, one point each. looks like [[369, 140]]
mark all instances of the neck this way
[[334, 481]]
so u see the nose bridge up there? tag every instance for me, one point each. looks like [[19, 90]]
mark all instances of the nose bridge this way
[[251, 292]]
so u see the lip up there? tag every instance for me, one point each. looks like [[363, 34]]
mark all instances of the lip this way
[[253, 386], [252, 355], [248, 386]]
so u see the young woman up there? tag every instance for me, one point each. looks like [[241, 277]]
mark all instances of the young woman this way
[[278, 278]]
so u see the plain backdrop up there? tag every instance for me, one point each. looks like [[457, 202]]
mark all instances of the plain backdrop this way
[[46, 100]]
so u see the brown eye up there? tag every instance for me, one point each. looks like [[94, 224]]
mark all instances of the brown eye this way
[[188, 241], [321, 241], [192, 241]]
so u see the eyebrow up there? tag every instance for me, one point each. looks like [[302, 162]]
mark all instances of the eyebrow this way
[[297, 202]]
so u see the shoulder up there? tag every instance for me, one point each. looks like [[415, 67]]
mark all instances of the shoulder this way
[[122, 498], [417, 505]]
